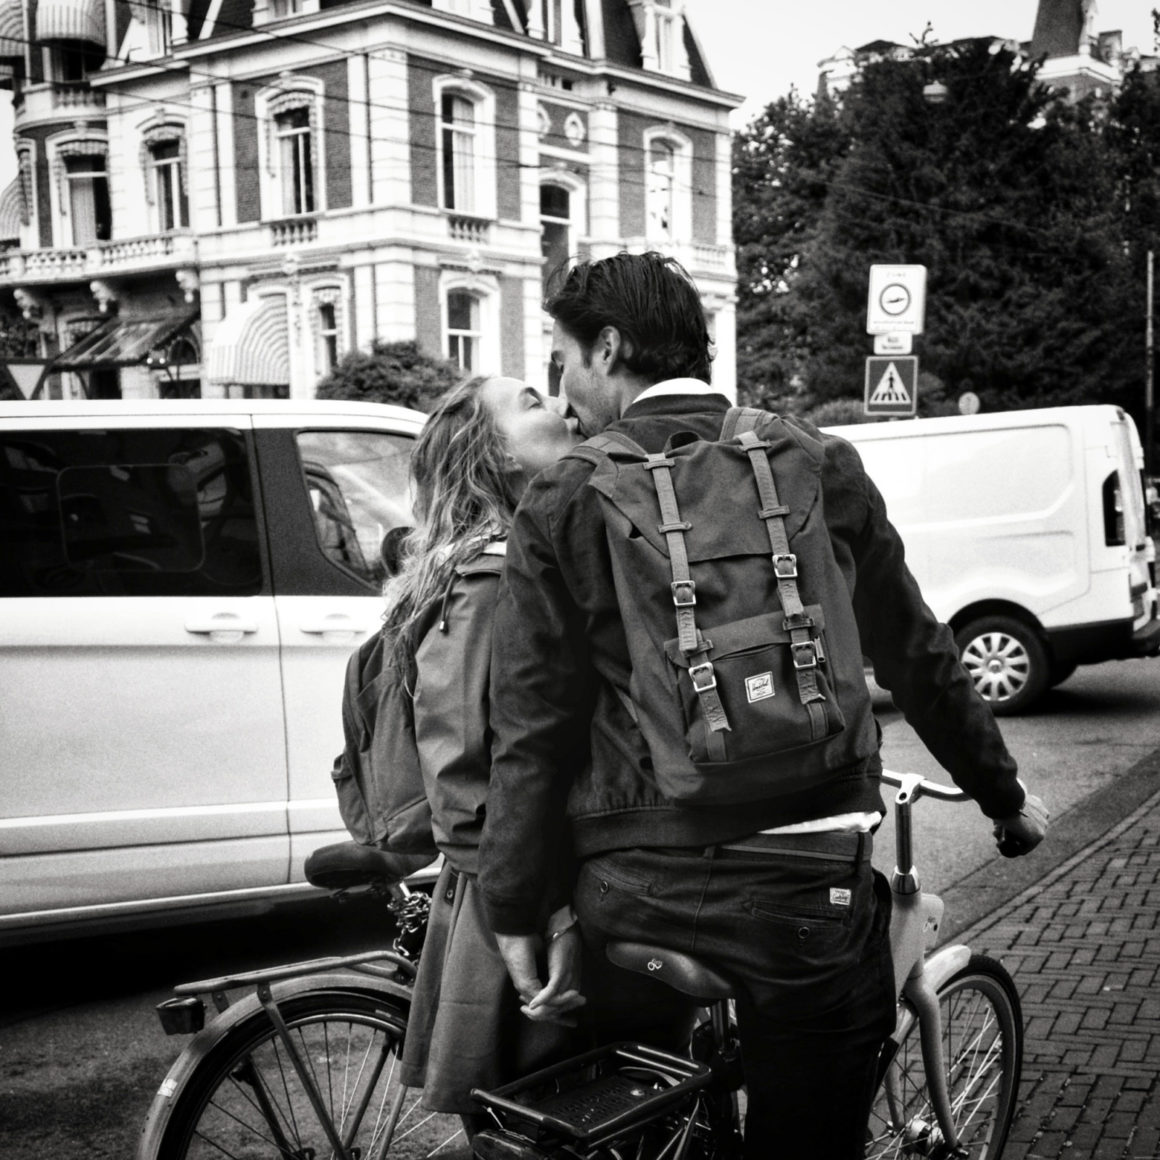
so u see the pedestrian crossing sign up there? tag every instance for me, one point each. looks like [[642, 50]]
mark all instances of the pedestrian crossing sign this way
[[891, 385]]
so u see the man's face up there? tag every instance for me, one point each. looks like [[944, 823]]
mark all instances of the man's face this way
[[584, 382]]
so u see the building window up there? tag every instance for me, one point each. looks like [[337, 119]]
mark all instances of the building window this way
[[463, 330], [661, 190], [283, 9], [555, 227], [327, 336], [295, 150], [668, 29], [87, 198], [457, 134], [166, 179], [72, 64], [161, 27]]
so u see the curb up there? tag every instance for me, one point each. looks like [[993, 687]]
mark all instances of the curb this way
[[1072, 837]]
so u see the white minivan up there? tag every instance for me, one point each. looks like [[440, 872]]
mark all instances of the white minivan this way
[[1027, 532], [181, 583]]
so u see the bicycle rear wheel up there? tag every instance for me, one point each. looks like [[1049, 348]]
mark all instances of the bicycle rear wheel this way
[[245, 1100], [982, 1042]]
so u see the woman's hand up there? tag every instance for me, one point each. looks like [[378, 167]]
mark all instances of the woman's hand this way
[[554, 1001]]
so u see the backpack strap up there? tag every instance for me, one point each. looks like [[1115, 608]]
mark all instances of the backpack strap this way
[[804, 647], [607, 445], [684, 590], [739, 419]]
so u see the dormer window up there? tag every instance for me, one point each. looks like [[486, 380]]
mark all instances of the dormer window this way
[[660, 24]]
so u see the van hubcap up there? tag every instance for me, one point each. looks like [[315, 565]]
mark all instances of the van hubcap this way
[[998, 664]]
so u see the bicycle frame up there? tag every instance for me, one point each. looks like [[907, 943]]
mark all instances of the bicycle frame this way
[[914, 920]]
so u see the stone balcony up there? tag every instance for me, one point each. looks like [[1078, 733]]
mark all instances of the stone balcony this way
[[99, 260]]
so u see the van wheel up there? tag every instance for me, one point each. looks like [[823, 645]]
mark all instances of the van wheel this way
[[1007, 662]]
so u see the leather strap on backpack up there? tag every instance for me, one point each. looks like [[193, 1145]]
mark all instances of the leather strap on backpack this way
[[803, 645]]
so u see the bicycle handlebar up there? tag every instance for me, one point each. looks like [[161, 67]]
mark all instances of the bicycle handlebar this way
[[914, 786]]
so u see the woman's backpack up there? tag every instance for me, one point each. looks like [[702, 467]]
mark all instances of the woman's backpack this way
[[377, 776]]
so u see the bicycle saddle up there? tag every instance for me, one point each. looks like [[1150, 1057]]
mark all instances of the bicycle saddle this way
[[348, 864], [682, 972]]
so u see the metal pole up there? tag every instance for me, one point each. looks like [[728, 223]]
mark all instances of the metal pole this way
[[1149, 402]]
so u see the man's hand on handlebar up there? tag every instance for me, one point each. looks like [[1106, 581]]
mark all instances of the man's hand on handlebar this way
[[1022, 832]]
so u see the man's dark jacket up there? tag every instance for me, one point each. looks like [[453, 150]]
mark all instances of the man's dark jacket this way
[[565, 742]]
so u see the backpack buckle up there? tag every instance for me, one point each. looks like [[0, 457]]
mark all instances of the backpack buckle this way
[[785, 565], [805, 655], [684, 593], [697, 671]]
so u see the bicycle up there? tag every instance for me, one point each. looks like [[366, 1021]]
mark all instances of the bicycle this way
[[949, 1073]]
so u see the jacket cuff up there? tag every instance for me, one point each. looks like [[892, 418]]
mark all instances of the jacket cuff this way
[[513, 917]]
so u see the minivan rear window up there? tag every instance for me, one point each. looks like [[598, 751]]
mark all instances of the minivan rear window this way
[[166, 512]]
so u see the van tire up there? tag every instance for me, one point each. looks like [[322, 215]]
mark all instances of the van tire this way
[[1007, 662]]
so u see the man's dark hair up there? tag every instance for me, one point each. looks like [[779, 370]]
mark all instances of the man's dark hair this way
[[651, 300]]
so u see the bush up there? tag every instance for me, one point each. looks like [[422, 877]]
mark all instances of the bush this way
[[391, 372]]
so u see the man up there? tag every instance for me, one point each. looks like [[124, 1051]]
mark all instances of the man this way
[[779, 893]]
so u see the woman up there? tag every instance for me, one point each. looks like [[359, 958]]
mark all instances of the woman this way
[[481, 445]]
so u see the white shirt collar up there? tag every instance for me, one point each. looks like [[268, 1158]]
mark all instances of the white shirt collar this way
[[676, 387]]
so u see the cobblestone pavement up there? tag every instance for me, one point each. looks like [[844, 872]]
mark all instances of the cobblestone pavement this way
[[1084, 946]]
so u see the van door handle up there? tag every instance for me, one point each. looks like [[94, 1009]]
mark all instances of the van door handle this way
[[335, 624], [224, 627]]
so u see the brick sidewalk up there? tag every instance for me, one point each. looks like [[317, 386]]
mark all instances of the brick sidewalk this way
[[1084, 946]]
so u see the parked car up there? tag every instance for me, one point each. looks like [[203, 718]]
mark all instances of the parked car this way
[[1028, 534], [181, 584]]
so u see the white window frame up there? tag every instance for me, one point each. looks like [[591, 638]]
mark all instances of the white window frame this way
[[152, 136], [485, 290], [482, 203], [270, 11], [323, 297], [681, 227], [660, 24], [73, 144], [295, 93], [473, 9], [577, 221]]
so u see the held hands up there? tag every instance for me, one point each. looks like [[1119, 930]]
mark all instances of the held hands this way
[[1022, 832], [551, 1002]]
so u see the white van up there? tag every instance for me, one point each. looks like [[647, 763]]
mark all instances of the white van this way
[[181, 583], [1028, 533]]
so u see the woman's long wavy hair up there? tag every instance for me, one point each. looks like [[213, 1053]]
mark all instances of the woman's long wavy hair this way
[[465, 497]]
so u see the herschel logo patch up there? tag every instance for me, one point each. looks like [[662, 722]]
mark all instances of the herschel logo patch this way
[[760, 687]]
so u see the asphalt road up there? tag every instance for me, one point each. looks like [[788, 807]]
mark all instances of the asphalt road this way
[[81, 1052]]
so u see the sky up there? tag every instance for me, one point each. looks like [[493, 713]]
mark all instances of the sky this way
[[759, 48]]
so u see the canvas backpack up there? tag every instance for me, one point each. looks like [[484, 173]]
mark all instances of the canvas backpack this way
[[377, 776], [746, 662]]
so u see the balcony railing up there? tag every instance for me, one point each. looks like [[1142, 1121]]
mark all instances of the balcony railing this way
[[100, 259], [468, 229], [294, 231]]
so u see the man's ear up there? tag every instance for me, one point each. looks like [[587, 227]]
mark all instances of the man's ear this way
[[611, 348]]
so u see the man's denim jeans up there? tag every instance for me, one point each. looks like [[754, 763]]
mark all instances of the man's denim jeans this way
[[807, 939]]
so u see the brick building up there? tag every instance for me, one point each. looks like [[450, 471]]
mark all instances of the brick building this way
[[221, 197]]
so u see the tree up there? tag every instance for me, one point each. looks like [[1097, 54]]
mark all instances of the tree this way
[[783, 164], [1002, 190], [390, 372]]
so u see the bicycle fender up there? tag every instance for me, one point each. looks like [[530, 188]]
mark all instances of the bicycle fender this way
[[205, 1040], [944, 964]]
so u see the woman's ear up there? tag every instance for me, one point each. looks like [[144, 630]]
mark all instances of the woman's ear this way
[[515, 474]]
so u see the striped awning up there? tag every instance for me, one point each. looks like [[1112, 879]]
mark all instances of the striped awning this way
[[71, 20], [251, 345], [12, 35], [11, 204]]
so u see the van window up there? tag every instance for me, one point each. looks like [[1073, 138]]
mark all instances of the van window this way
[[137, 512], [359, 485], [1113, 503]]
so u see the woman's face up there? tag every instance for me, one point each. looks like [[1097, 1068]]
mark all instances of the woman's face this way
[[533, 425]]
